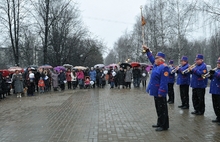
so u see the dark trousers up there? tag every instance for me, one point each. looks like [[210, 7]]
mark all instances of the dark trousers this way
[[74, 84], [198, 99], [184, 95], [170, 92], [62, 86], [31, 89], [144, 83], [128, 84], [162, 112], [97, 82], [216, 105], [69, 84]]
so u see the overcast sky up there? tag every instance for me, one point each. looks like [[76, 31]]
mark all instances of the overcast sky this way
[[108, 19]]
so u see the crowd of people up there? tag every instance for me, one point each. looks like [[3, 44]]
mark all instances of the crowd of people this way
[[41, 80]]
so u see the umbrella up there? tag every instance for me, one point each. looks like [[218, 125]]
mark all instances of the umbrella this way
[[149, 67], [99, 65], [4, 72], [58, 68], [143, 64], [80, 67], [13, 69], [46, 67], [112, 65], [125, 65], [68, 66], [135, 64]]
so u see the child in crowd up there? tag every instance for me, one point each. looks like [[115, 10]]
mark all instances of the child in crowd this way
[[41, 85]]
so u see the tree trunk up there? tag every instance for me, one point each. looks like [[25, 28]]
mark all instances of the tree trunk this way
[[46, 31]]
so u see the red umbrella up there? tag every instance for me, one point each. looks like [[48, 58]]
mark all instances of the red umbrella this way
[[4, 72], [135, 64], [13, 69]]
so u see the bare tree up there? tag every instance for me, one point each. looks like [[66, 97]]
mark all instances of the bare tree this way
[[12, 8]]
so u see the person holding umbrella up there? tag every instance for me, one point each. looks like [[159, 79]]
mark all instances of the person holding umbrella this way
[[80, 77], [68, 78], [18, 83], [62, 79], [144, 75], [128, 77], [158, 87], [93, 75], [121, 78], [136, 76]]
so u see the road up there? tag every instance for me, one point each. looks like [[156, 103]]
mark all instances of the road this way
[[101, 115]]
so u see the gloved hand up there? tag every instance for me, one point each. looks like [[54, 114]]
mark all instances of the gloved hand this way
[[212, 72]]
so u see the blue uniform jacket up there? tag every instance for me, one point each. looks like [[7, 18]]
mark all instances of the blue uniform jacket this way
[[215, 83], [158, 84], [92, 75], [183, 79], [171, 78], [197, 81]]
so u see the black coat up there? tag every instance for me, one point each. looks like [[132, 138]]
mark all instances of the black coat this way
[[62, 78], [121, 77], [136, 73]]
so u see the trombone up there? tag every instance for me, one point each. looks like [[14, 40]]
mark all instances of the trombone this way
[[204, 76], [187, 70]]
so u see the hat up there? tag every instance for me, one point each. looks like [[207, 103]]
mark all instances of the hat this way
[[171, 62], [199, 56], [160, 54], [184, 58]]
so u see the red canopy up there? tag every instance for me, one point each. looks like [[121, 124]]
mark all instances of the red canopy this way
[[135, 64]]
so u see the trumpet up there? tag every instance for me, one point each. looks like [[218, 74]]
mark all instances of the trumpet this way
[[204, 76], [187, 70], [175, 69]]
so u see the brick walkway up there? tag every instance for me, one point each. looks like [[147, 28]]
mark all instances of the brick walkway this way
[[100, 115]]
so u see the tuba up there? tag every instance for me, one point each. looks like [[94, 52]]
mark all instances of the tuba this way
[[187, 70], [204, 76]]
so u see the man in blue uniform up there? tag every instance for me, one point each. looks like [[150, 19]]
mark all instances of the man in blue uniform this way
[[215, 90], [171, 81], [158, 87], [198, 84], [183, 80]]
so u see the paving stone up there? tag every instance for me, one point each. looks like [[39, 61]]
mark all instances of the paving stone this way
[[101, 115]]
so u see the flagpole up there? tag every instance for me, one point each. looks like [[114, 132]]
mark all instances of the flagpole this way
[[142, 26]]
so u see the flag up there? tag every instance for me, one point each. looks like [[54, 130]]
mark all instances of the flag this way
[[143, 22]]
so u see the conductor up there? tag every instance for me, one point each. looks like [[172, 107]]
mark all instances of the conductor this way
[[158, 87]]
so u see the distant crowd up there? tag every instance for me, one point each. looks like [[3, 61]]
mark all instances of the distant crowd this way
[[41, 80]]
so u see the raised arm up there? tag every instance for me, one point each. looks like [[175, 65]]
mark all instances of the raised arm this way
[[149, 54]]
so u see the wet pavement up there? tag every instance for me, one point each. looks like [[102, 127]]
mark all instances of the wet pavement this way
[[100, 115]]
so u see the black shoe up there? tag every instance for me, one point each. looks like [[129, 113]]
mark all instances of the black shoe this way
[[171, 102], [194, 112], [180, 106], [168, 101], [199, 113], [155, 126], [185, 107], [215, 121], [160, 129]]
